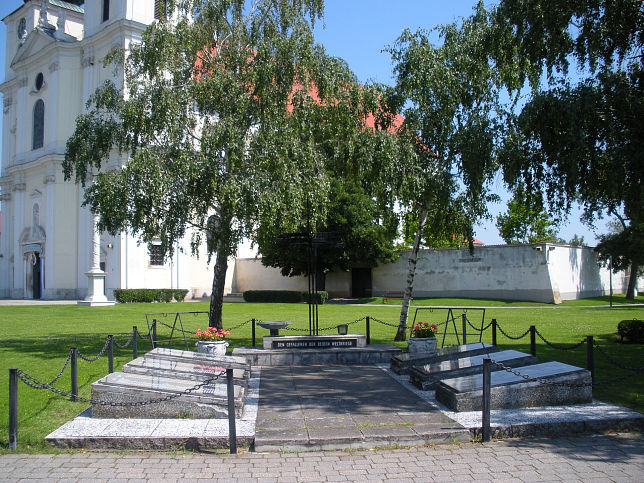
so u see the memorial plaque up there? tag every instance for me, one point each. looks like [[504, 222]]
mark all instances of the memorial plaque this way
[[326, 343]]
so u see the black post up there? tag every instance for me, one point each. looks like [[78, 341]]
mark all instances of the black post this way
[[232, 429], [135, 342], [464, 317], [533, 340], [74, 372], [154, 333], [110, 354], [253, 332], [487, 363], [493, 331], [368, 331], [13, 408], [590, 358]]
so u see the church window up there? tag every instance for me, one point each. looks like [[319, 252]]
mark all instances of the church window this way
[[156, 254], [160, 7], [106, 10], [22, 28], [38, 125], [40, 80]]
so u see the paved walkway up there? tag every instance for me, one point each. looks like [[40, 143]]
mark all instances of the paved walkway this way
[[584, 458], [342, 407]]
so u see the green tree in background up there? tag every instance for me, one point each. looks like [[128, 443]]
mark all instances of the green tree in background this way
[[526, 221], [578, 138]]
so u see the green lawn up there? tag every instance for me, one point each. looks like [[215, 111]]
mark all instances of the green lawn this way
[[36, 340]]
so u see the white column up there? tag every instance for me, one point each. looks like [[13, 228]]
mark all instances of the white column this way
[[95, 276], [18, 285]]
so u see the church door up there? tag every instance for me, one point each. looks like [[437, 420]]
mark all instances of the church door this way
[[35, 278]]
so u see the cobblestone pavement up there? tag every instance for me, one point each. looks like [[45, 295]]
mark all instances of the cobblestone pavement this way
[[582, 458]]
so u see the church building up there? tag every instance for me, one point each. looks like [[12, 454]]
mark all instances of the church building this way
[[49, 247]]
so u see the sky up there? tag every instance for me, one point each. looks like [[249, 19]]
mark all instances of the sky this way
[[358, 31]]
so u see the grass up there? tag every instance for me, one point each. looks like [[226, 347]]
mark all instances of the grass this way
[[36, 340], [459, 302]]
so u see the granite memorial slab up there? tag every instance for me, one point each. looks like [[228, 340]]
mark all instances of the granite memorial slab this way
[[229, 362], [370, 354], [403, 362], [427, 376], [183, 369], [564, 384], [210, 401]]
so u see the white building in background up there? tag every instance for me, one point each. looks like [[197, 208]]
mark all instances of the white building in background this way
[[54, 54]]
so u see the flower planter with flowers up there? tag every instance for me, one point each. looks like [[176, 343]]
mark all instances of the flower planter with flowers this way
[[211, 341], [422, 338]]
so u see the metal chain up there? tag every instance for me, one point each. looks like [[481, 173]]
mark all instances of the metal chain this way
[[568, 348], [69, 358], [126, 344], [383, 323], [348, 323], [614, 362], [34, 383], [240, 325], [509, 336], [146, 336], [538, 379], [295, 329], [475, 328], [98, 356]]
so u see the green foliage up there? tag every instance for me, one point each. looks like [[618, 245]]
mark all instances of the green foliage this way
[[229, 115], [578, 139], [273, 296], [132, 295], [366, 232], [632, 330], [319, 297], [526, 221]]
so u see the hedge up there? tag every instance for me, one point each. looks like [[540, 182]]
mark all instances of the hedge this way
[[145, 295], [633, 330], [321, 296]]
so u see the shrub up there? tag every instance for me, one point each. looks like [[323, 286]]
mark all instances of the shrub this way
[[633, 330], [320, 295], [272, 296], [145, 295]]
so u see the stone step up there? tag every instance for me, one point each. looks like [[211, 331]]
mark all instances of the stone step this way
[[371, 354], [403, 362], [229, 362], [509, 390], [184, 369], [209, 401], [426, 377]]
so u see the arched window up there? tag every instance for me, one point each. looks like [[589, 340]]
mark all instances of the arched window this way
[[38, 125]]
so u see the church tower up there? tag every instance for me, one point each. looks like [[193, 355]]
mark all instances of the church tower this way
[[48, 246]]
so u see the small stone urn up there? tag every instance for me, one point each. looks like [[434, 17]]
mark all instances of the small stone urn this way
[[212, 347], [421, 344]]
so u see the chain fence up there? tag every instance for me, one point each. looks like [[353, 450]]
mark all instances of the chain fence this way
[[97, 356], [512, 337], [558, 347], [126, 345]]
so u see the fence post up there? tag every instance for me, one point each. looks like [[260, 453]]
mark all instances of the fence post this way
[[13, 408], [74, 372], [110, 354], [368, 330], [493, 331], [253, 330], [232, 429], [533, 340], [135, 342], [464, 317], [487, 363], [154, 333], [590, 358]]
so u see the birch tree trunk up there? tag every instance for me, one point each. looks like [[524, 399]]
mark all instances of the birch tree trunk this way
[[218, 284], [632, 282], [401, 334]]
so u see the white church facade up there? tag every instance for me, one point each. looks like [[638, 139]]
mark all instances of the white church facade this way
[[48, 246]]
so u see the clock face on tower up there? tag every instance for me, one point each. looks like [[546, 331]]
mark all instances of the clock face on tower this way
[[22, 28]]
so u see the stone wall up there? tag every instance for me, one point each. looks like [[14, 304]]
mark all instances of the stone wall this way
[[543, 272]]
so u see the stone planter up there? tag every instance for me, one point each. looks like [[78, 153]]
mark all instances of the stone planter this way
[[213, 347], [421, 344]]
